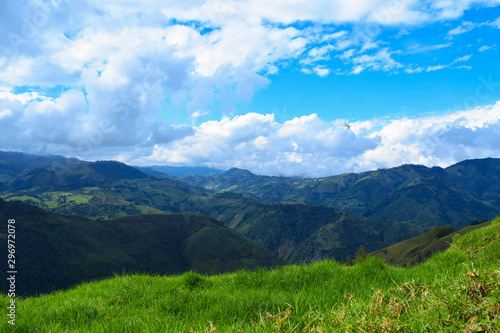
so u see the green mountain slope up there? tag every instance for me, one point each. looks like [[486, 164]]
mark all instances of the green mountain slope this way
[[481, 178], [103, 189], [56, 251], [300, 233], [417, 249], [178, 171], [456, 195], [431, 199], [454, 291], [397, 203]]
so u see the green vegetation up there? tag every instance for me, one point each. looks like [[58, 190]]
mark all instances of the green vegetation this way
[[455, 195], [301, 232], [296, 231], [58, 251], [418, 249], [458, 290], [389, 205], [361, 254], [439, 232], [117, 170]]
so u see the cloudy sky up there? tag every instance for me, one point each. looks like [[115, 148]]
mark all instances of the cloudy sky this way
[[305, 87]]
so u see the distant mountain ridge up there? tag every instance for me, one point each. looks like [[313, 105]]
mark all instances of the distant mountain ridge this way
[[96, 190], [178, 171], [455, 195], [299, 219]]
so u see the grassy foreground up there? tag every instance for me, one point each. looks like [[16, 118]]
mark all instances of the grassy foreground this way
[[458, 290]]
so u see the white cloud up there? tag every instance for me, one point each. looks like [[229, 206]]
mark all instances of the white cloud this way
[[381, 60], [199, 113], [417, 48], [369, 46], [414, 70], [281, 11], [496, 23], [462, 59], [484, 48], [436, 68], [450, 65], [331, 36], [24, 98], [466, 26], [42, 123], [310, 146], [398, 12], [347, 54], [304, 145], [5, 113], [318, 54], [261, 144], [356, 70], [454, 9], [402, 32], [124, 67], [438, 140], [321, 71], [217, 34], [64, 125], [53, 121]]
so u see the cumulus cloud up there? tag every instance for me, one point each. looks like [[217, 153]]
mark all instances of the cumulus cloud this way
[[310, 146], [64, 125], [53, 41], [303, 145], [437, 140], [105, 79]]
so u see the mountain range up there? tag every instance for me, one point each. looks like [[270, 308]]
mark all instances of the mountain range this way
[[178, 171], [300, 220], [455, 195]]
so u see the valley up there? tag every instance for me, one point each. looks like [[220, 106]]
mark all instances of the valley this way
[[290, 220]]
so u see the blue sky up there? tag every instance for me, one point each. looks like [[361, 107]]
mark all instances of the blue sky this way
[[261, 85]]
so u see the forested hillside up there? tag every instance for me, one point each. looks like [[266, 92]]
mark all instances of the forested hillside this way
[[298, 219], [55, 251], [455, 195], [104, 190]]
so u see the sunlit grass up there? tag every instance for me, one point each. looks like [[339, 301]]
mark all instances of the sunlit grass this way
[[458, 290]]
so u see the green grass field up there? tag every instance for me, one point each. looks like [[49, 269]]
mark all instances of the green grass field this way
[[457, 290], [23, 198]]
